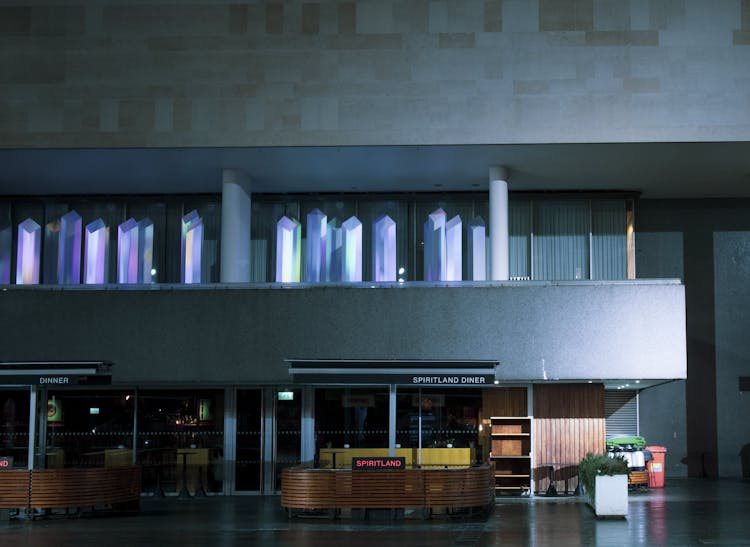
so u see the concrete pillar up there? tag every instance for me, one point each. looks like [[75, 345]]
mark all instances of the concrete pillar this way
[[236, 206], [499, 265]]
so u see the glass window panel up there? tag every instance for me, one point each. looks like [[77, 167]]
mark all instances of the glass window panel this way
[[398, 210], [209, 209], [249, 439], [460, 205], [519, 233], [609, 254], [89, 429], [14, 426], [561, 239], [351, 417], [181, 439], [288, 434], [156, 211]]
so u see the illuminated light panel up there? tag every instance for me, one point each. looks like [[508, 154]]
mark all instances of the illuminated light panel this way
[[477, 250], [315, 257], [384, 249], [351, 264], [28, 253], [6, 242], [434, 246], [333, 251], [96, 253], [453, 249], [192, 248], [69, 249], [288, 250], [145, 251], [127, 252]]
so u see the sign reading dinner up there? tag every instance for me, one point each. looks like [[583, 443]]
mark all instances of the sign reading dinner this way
[[378, 463], [441, 380]]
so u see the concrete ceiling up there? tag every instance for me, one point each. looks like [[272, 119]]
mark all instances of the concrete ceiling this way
[[657, 170]]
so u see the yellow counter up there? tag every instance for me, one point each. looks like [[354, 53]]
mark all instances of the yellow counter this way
[[343, 456], [431, 457]]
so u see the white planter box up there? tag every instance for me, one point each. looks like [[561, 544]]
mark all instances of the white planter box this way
[[611, 497]]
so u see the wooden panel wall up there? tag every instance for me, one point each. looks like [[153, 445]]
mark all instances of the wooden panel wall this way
[[504, 401], [569, 421]]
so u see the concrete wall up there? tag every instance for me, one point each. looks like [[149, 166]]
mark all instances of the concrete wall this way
[[537, 331], [222, 73], [704, 242]]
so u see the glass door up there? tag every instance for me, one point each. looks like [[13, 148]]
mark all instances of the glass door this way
[[288, 432], [249, 458], [14, 428]]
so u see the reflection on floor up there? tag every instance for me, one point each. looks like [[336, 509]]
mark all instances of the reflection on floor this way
[[686, 512]]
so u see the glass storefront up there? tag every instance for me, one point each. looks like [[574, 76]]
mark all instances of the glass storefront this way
[[181, 440], [249, 457], [14, 427], [288, 437]]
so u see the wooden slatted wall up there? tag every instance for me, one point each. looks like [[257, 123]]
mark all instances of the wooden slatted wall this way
[[569, 421]]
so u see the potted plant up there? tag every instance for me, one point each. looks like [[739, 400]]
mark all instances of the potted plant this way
[[605, 483]]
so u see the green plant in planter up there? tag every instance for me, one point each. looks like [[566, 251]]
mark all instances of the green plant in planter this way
[[599, 464]]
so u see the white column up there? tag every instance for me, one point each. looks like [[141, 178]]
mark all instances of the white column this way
[[235, 226], [499, 269]]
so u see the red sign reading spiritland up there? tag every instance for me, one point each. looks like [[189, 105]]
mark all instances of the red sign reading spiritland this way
[[379, 463], [6, 462]]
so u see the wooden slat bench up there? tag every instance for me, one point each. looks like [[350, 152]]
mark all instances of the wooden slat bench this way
[[71, 488], [305, 489], [15, 488]]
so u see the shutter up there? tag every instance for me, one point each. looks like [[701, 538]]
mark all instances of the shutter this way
[[621, 411]]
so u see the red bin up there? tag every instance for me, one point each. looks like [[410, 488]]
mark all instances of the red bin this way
[[655, 467]]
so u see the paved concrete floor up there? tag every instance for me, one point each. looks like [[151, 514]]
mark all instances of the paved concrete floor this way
[[686, 512]]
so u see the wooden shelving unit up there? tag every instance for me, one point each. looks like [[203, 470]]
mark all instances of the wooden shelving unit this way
[[511, 453]]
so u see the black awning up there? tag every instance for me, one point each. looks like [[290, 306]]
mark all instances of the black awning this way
[[55, 373], [400, 372]]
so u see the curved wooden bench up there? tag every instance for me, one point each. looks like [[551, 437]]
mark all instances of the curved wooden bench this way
[[303, 488], [15, 488], [69, 488]]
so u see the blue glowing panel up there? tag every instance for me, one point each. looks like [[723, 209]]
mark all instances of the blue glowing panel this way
[[96, 253], [453, 249], [146, 274], [6, 242], [288, 250], [477, 250], [192, 248], [434, 246], [333, 251], [384, 249], [127, 252], [28, 253], [315, 257], [351, 264], [69, 249]]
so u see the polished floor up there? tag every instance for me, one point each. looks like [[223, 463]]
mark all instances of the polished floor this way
[[686, 512]]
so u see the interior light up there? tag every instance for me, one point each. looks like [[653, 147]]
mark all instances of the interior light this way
[[401, 270], [153, 271], [400, 279], [637, 381], [497, 382]]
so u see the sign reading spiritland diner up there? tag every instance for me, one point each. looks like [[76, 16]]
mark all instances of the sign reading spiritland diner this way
[[379, 463]]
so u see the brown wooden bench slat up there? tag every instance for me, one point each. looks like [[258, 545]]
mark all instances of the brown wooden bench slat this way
[[304, 488]]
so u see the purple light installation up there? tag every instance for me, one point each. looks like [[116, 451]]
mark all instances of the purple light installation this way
[[96, 253], [28, 253], [384, 249], [192, 247], [434, 246], [315, 258], [288, 247], [69, 249], [477, 250], [352, 244], [453, 250], [127, 252], [333, 251], [6, 242]]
